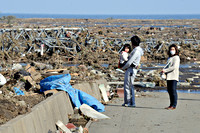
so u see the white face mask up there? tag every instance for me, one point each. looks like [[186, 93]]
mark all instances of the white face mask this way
[[172, 52]]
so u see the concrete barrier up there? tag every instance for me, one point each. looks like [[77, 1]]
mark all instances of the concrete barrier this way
[[92, 88], [95, 90], [44, 115], [89, 88], [102, 81]]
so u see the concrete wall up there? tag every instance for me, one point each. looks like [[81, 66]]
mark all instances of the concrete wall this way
[[91, 88], [44, 115]]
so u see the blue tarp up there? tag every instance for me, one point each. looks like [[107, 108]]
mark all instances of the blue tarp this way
[[78, 97], [18, 91]]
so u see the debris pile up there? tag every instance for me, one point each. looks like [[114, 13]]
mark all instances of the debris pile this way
[[29, 53]]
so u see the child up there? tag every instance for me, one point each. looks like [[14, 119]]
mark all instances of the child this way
[[124, 55]]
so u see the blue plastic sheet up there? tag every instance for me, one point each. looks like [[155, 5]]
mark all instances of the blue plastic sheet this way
[[78, 97], [18, 91]]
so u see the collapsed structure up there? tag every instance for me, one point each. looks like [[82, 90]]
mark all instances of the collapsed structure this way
[[91, 51]]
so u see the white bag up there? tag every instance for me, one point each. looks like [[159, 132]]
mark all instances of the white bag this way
[[2, 80], [163, 76]]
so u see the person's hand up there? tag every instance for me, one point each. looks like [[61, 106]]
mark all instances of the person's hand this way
[[124, 69], [162, 71]]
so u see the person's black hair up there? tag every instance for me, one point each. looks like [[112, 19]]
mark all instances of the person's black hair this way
[[176, 48], [135, 40], [128, 46]]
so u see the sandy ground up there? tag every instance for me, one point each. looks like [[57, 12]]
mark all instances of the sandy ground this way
[[10, 107], [150, 116]]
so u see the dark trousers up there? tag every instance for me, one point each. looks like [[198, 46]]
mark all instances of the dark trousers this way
[[171, 88]]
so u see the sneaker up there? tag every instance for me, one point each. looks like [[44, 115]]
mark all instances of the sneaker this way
[[170, 108], [123, 104], [128, 105], [132, 106]]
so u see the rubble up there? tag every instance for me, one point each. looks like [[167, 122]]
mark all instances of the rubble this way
[[57, 39], [62, 127], [103, 92], [90, 112], [50, 92], [18, 91], [88, 52], [2, 80]]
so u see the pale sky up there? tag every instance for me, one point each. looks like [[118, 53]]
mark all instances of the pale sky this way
[[129, 7]]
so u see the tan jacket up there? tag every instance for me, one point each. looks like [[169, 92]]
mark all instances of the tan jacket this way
[[172, 68]]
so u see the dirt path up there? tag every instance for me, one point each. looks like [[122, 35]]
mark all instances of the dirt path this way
[[150, 116]]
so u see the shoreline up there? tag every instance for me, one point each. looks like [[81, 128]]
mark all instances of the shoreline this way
[[106, 16]]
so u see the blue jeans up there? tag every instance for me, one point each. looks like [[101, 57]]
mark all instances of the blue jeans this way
[[171, 88], [129, 95]]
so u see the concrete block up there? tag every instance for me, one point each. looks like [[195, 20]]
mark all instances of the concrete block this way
[[17, 124], [43, 117], [85, 87], [50, 92], [28, 123], [89, 88], [95, 90], [102, 81], [6, 129], [68, 103], [63, 110], [62, 105], [62, 126], [103, 92], [64, 102], [36, 121], [54, 110], [49, 112]]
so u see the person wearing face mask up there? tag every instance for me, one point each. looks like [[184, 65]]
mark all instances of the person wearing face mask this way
[[172, 75]]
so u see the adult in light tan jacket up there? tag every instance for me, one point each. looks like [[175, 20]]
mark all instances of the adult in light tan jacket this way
[[172, 75]]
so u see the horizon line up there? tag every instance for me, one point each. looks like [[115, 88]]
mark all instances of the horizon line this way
[[101, 14]]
